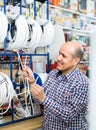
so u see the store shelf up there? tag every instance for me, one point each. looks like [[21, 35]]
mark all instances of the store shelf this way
[[11, 73], [71, 11], [79, 32]]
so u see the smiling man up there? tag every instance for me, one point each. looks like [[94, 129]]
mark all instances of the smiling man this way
[[64, 95]]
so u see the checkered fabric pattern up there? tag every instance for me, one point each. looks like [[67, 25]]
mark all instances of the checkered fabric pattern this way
[[67, 99]]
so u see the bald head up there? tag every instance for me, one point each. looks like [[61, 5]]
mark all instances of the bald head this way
[[75, 48]]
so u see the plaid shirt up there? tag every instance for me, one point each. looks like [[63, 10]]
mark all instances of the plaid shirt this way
[[67, 99]]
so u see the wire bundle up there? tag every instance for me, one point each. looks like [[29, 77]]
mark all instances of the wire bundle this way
[[6, 90], [19, 40], [35, 33], [3, 27], [47, 32]]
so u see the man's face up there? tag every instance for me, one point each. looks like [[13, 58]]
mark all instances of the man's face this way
[[65, 61]]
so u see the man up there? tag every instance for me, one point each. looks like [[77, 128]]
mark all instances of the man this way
[[64, 95]]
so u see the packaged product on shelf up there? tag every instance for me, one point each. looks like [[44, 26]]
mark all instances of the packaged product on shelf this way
[[74, 5], [90, 8]]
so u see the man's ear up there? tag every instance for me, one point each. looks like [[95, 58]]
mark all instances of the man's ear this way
[[76, 61]]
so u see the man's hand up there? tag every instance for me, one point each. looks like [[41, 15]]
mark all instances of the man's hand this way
[[38, 92], [27, 72]]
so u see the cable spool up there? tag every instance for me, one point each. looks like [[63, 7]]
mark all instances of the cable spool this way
[[19, 40], [3, 26], [47, 32], [7, 91], [35, 33]]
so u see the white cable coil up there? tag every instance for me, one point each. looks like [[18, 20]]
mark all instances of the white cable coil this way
[[7, 91], [3, 26], [30, 33], [35, 33], [20, 38], [47, 32]]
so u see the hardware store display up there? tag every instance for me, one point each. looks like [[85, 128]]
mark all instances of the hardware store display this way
[[27, 28]]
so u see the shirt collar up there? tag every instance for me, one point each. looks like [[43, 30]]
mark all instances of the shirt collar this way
[[60, 76], [68, 76]]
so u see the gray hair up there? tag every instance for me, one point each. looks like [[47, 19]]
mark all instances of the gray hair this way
[[78, 52]]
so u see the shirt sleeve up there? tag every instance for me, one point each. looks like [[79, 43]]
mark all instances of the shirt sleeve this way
[[68, 112]]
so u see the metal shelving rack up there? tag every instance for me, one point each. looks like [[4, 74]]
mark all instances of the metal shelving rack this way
[[11, 55], [11, 62]]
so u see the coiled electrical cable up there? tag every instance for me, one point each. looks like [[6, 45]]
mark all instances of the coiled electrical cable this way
[[35, 33], [3, 26], [19, 40], [47, 32], [7, 91]]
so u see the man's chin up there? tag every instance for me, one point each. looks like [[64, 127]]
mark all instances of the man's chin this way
[[58, 68]]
